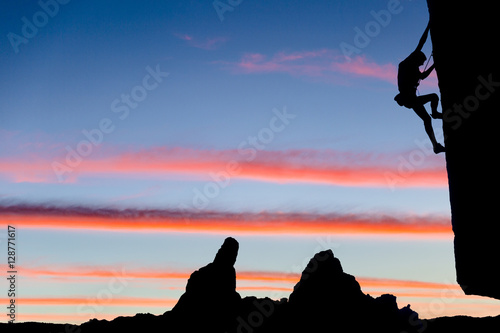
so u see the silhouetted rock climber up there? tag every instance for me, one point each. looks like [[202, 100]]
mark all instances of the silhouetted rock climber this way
[[409, 77]]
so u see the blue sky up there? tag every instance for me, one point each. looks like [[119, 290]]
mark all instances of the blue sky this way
[[171, 94]]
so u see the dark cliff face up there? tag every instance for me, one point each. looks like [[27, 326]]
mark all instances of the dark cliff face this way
[[465, 37]]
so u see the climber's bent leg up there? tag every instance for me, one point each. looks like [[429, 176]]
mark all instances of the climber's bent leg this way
[[434, 99]]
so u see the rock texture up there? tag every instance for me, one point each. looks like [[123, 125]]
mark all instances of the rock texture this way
[[465, 37]]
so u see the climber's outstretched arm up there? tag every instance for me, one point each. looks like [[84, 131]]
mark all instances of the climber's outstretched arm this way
[[423, 39]]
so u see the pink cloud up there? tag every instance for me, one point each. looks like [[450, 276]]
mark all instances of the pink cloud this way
[[209, 43], [292, 166], [183, 36], [205, 44], [360, 66], [309, 63], [319, 63]]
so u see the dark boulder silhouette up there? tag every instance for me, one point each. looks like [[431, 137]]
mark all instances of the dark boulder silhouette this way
[[325, 299], [466, 55], [210, 299]]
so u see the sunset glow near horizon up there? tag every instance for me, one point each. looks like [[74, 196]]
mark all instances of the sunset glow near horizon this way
[[135, 137]]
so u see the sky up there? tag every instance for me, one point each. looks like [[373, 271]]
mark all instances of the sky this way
[[136, 136]]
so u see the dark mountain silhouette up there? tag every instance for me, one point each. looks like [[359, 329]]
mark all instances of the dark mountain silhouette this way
[[467, 61], [325, 299]]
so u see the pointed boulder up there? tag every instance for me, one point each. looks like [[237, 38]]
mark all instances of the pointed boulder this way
[[210, 301]]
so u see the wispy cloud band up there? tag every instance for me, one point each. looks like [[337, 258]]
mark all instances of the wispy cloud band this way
[[323, 63], [328, 64], [292, 166], [265, 223]]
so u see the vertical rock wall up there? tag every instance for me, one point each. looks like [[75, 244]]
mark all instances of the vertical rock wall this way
[[465, 37]]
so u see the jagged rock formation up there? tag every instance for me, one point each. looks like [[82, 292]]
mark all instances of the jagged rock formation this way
[[210, 299], [326, 299], [465, 37]]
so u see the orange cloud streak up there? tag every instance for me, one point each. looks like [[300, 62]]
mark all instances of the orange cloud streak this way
[[100, 272], [242, 276], [261, 225], [61, 318], [116, 301], [391, 283], [305, 166]]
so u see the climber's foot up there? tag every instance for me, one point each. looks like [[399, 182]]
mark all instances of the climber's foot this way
[[438, 148]]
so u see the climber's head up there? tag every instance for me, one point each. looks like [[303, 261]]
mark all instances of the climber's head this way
[[418, 58]]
